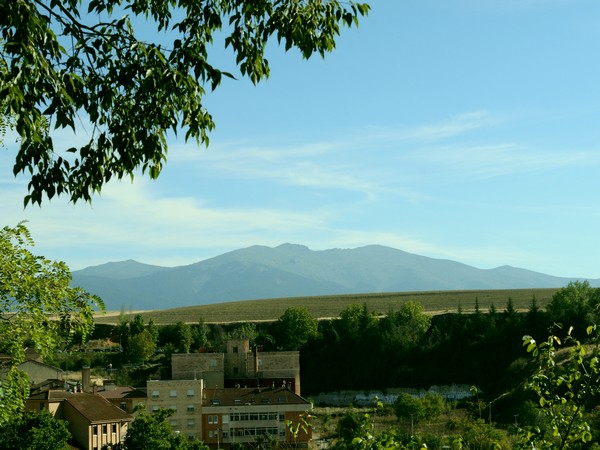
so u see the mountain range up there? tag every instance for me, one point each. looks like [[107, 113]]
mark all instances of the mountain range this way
[[291, 270]]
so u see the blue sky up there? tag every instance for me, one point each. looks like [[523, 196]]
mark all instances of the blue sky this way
[[458, 129]]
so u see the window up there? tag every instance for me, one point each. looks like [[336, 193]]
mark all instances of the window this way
[[237, 401], [235, 349], [41, 406], [235, 370], [155, 394], [216, 401], [104, 429], [173, 422], [213, 363], [95, 430], [174, 408], [154, 408], [191, 408], [114, 428], [211, 433], [173, 393], [259, 362], [213, 420], [281, 417], [123, 406], [190, 422], [190, 393]]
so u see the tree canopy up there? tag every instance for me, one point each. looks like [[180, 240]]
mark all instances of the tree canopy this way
[[295, 327], [64, 63], [575, 306], [34, 431], [152, 431], [38, 308]]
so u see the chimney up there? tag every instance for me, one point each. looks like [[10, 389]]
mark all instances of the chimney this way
[[85, 378], [256, 360]]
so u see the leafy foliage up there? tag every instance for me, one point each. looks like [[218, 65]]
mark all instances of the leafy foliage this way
[[34, 431], [566, 383], [418, 409], [295, 328], [63, 62], [575, 305], [38, 308], [141, 347]]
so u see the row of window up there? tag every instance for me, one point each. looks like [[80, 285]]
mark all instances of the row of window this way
[[190, 408], [173, 393], [237, 417], [190, 423], [241, 432], [257, 431], [104, 426]]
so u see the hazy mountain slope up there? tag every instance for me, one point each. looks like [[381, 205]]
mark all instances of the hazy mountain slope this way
[[120, 270], [293, 270]]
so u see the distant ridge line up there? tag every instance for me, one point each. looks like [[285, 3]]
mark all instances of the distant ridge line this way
[[291, 270]]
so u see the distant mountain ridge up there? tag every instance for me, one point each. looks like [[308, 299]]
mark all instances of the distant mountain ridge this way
[[291, 270]]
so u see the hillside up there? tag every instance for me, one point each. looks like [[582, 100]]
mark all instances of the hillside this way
[[325, 307], [260, 272]]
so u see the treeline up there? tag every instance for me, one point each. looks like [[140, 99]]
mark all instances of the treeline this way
[[365, 349]]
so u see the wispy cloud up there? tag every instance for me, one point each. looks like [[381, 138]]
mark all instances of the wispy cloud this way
[[486, 161]]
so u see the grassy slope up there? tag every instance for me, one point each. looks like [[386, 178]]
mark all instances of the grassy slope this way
[[434, 302]]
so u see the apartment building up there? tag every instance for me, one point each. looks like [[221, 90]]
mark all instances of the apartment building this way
[[241, 415], [239, 366], [184, 397], [233, 397]]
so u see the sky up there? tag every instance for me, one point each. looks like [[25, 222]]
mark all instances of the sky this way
[[458, 129]]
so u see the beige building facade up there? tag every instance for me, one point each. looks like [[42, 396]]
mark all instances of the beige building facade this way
[[239, 366], [92, 420], [184, 397], [233, 397]]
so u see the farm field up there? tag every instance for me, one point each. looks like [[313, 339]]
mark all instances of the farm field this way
[[323, 307]]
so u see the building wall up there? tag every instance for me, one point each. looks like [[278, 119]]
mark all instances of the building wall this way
[[277, 365], [38, 405], [185, 396], [79, 426], [225, 425], [127, 404], [39, 372], [190, 366], [238, 363]]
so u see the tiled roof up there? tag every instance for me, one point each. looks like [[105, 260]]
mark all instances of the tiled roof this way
[[121, 392], [51, 394], [251, 396], [39, 363], [96, 408]]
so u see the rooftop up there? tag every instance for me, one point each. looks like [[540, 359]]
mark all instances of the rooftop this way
[[251, 396]]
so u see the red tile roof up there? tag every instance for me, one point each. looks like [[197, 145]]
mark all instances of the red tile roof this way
[[251, 396], [97, 409]]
